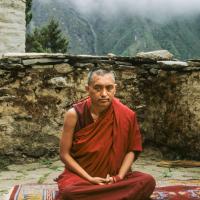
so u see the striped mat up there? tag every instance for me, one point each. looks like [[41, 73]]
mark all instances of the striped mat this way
[[49, 191], [33, 192]]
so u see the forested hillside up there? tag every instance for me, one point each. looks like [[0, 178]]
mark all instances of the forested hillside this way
[[122, 34]]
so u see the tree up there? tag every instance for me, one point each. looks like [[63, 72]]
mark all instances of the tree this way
[[49, 39], [28, 12]]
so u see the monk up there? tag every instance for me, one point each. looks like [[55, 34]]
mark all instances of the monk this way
[[100, 141]]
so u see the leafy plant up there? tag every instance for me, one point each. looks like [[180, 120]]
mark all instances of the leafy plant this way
[[28, 12], [167, 173], [43, 178], [48, 39], [47, 162]]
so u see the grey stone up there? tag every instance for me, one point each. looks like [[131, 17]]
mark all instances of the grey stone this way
[[155, 55], [153, 71], [22, 117], [194, 63], [87, 57], [13, 66], [21, 74], [173, 64], [3, 72], [141, 107], [192, 69], [84, 65], [58, 82], [121, 67], [42, 66], [43, 61], [27, 80], [10, 60], [7, 98], [111, 55], [6, 91], [194, 60], [33, 55], [123, 63], [63, 68]]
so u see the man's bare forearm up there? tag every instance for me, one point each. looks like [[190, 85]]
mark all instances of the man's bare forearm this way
[[75, 167], [126, 164]]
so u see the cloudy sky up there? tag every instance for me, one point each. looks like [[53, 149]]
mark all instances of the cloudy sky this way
[[149, 8]]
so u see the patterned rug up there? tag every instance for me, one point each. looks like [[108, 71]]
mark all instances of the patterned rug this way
[[180, 192], [49, 191], [33, 192]]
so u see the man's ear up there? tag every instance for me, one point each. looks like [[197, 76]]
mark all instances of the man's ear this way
[[116, 86]]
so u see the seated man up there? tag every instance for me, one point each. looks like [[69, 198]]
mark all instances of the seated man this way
[[100, 141]]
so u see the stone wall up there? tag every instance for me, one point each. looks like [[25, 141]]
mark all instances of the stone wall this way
[[37, 89], [12, 26]]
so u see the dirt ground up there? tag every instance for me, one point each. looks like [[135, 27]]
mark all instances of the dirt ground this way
[[44, 171]]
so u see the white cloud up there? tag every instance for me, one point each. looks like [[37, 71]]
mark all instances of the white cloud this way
[[148, 8]]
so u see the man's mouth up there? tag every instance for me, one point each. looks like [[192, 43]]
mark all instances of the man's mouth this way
[[104, 100]]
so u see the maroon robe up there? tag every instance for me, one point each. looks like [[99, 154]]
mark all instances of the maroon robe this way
[[100, 147]]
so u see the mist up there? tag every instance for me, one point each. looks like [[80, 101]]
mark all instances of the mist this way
[[153, 9]]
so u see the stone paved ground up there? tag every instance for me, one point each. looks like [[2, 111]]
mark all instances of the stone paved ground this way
[[45, 171]]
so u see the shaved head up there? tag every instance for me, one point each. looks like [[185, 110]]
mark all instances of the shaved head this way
[[99, 72]]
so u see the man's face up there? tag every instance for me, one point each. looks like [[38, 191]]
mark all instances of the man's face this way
[[101, 90]]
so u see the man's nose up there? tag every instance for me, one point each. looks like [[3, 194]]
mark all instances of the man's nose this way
[[104, 92]]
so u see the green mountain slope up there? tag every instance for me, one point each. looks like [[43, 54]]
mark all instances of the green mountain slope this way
[[122, 34], [74, 26], [127, 36]]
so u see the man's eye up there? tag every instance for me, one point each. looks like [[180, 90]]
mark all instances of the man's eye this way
[[97, 88], [110, 87]]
